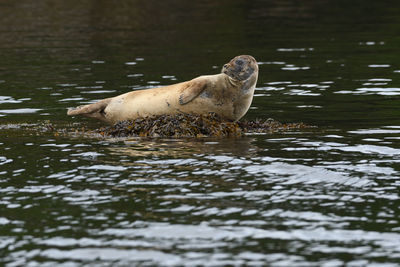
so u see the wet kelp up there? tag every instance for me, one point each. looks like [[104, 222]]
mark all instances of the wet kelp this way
[[190, 125], [178, 125]]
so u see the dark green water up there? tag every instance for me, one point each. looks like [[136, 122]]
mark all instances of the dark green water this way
[[322, 197]]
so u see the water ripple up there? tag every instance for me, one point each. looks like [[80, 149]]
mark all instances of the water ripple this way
[[20, 110]]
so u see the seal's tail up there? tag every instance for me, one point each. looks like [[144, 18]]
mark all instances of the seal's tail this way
[[95, 110]]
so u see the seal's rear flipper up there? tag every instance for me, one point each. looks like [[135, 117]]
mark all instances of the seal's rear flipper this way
[[193, 89], [95, 110]]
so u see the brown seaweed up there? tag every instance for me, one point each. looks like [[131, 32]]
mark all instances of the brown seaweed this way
[[175, 126], [190, 125]]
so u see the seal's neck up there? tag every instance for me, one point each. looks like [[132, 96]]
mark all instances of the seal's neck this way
[[250, 83], [231, 81], [246, 86]]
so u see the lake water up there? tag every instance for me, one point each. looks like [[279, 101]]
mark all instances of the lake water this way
[[327, 196]]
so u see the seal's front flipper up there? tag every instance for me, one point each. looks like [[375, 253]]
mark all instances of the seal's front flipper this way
[[193, 89], [95, 110]]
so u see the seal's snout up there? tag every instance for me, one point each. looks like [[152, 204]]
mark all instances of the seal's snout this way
[[225, 69]]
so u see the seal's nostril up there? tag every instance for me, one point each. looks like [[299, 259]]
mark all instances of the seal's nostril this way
[[226, 65]]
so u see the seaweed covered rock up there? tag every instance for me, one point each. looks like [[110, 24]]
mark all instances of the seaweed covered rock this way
[[179, 125], [190, 125], [269, 125]]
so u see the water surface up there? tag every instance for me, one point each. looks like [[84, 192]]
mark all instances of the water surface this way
[[319, 197]]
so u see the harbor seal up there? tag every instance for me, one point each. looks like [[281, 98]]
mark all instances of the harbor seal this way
[[228, 94]]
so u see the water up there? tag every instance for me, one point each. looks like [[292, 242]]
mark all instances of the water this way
[[320, 197]]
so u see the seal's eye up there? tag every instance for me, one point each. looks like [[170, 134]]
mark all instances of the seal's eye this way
[[226, 66]]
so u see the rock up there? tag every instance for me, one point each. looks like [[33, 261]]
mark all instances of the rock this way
[[189, 125]]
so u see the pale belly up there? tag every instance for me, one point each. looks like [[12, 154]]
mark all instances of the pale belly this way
[[144, 105]]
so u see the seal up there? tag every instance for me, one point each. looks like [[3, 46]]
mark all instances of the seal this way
[[228, 94]]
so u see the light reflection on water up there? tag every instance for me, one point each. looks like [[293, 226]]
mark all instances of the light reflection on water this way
[[187, 201], [238, 194]]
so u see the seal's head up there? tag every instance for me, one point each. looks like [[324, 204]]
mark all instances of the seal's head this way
[[241, 68]]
